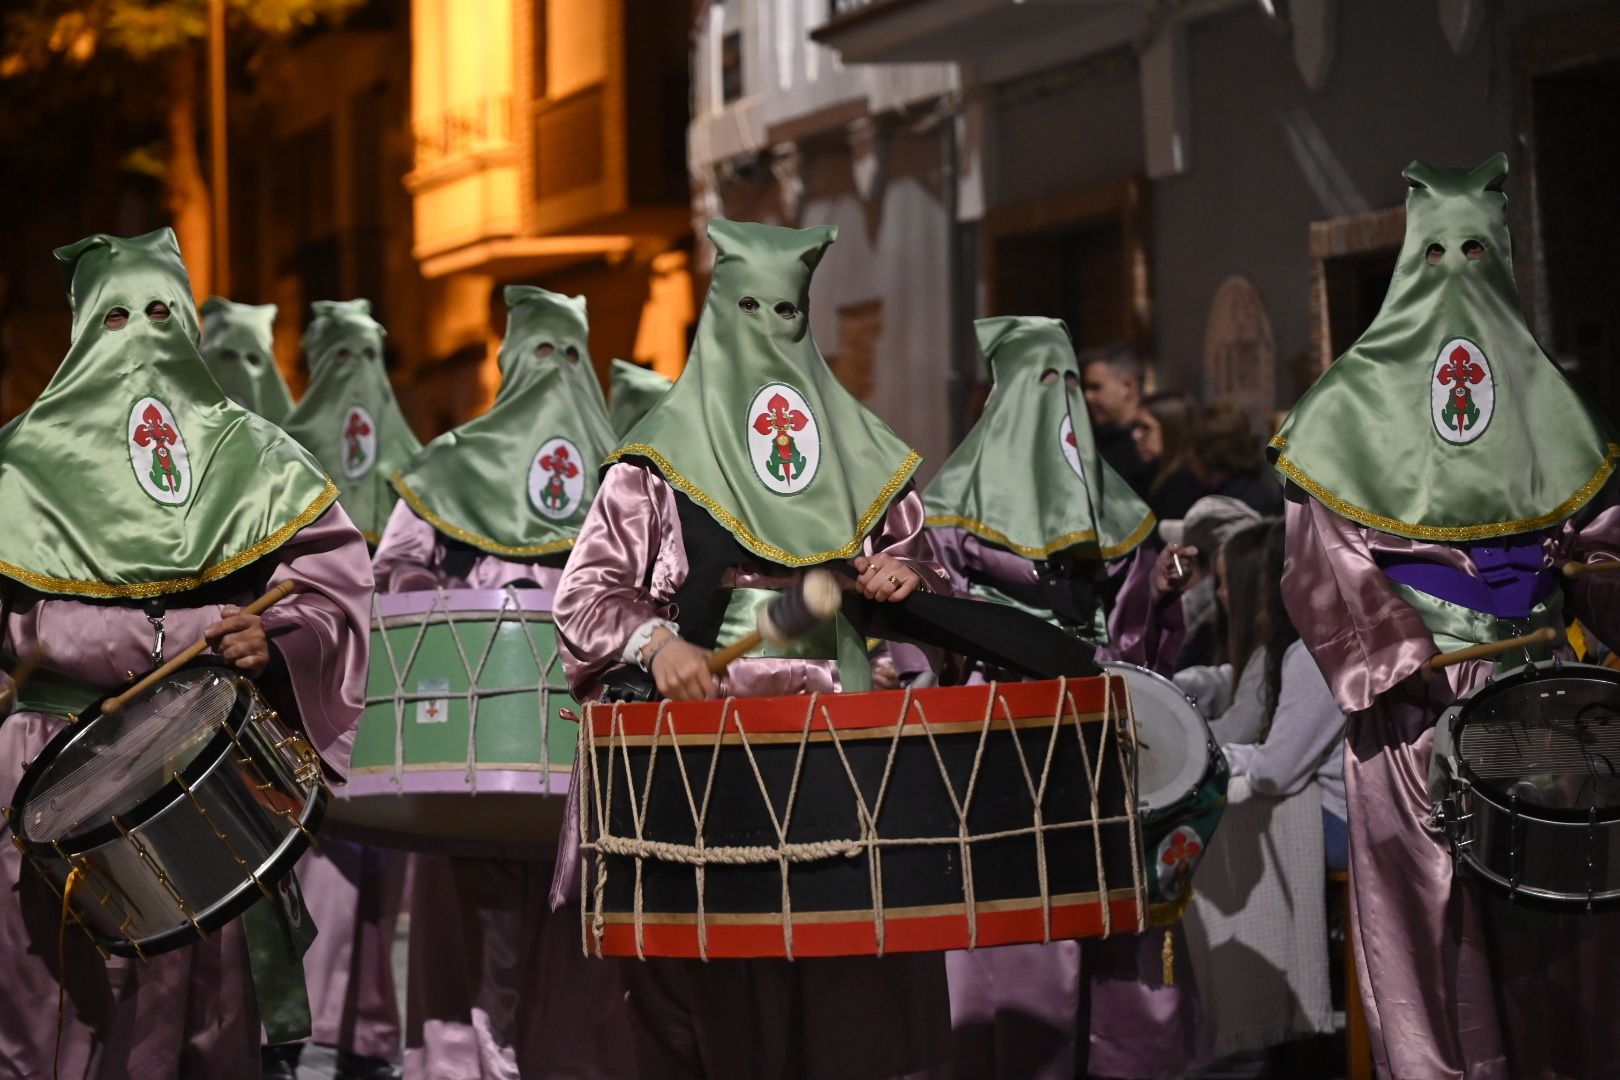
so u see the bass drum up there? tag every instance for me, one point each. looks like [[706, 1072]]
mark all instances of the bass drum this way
[[1181, 778]]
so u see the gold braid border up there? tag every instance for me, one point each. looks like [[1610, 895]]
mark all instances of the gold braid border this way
[[979, 528], [743, 533], [1486, 531], [143, 590], [484, 543]]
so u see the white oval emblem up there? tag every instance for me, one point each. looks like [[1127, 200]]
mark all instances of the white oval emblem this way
[[1071, 448], [1462, 393], [783, 440], [359, 441], [1176, 859], [557, 478], [158, 452]]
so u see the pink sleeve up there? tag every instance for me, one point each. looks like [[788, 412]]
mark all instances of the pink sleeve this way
[[901, 534], [605, 594], [323, 631], [405, 554], [1365, 638], [1591, 536], [1141, 632]]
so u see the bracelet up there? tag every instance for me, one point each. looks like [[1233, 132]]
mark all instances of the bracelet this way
[[647, 661]]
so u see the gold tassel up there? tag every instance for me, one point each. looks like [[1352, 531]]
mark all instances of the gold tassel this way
[[73, 878], [1168, 956]]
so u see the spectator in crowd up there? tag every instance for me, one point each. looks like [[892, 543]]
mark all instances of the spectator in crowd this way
[[1225, 455], [1268, 705], [1196, 540], [1160, 432], [1111, 379]]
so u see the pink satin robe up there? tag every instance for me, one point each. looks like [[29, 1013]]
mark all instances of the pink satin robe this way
[[860, 1018], [188, 1013], [1043, 1012], [498, 987], [1454, 982]]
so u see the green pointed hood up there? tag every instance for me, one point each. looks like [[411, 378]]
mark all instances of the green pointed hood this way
[[1445, 420], [238, 342], [758, 430], [517, 480], [635, 390], [1028, 476], [348, 417], [133, 475]]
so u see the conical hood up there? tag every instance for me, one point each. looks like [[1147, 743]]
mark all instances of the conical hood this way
[[349, 418], [517, 480], [635, 390], [1446, 421], [133, 475], [758, 430], [1028, 476], [238, 342]]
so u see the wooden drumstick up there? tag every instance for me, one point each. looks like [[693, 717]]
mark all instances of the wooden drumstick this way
[[1580, 569], [791, 615], [1545, 636], [194, 650]]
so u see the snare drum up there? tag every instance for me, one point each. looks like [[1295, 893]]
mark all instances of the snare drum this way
[[176, 813], [1531, 765], [1181, 779], [859, 824], [461, 749]]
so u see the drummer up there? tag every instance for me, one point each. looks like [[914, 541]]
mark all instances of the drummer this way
[[144, 508], [239, 345], [499, 987], [1438, 476], [349, 418], [1026, 512], [756, 460]]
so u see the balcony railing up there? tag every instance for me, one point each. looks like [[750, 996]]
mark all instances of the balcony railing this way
[[485, 124]]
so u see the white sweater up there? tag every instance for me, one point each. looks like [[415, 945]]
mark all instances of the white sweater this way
[[1307, 733]]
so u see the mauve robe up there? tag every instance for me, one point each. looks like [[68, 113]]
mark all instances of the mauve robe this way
[[840, 1018], [498, 986], [1455, 983], [1098, 1006], [190, 1012]]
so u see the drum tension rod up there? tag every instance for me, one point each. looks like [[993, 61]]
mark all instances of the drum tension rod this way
[[1591, 866]]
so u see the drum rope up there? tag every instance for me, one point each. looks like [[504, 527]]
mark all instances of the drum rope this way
[[1138, 871], [784, 853]]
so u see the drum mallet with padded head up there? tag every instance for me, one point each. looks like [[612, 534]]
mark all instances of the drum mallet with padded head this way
[[793, 614], [194, 650]]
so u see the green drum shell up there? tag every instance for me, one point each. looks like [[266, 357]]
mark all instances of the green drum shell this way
[[462, 748]]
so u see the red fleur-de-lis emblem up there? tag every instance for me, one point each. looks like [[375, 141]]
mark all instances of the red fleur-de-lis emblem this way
[[153, 431], [1182, 851], [357, 426], [779, 417]]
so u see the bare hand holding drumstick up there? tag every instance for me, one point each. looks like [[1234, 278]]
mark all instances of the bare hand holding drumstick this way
[[238, 638]]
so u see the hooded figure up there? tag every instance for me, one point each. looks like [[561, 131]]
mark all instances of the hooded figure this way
[[1027, 513], [517, 480], [1439, 475], [238, 344], [756, 464], [149, 507], [635, 390], [349, 418]]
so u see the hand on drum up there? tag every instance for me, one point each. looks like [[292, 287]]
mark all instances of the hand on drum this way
[[884, 577], [680, 668], [240, 641], [1173, 571]]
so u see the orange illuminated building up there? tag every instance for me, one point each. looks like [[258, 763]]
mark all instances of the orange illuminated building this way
[[549, 149]]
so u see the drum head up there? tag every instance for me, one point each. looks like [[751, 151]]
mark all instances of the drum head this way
[[115, 763], [1546, 735], [1171, 736]]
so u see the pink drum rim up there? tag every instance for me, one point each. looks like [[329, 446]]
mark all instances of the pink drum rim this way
[[454, 782], [393, 605]]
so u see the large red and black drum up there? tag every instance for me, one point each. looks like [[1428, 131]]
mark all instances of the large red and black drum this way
[[861, 824]]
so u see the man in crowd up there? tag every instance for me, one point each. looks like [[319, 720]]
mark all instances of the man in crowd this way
[[1111, 379]]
